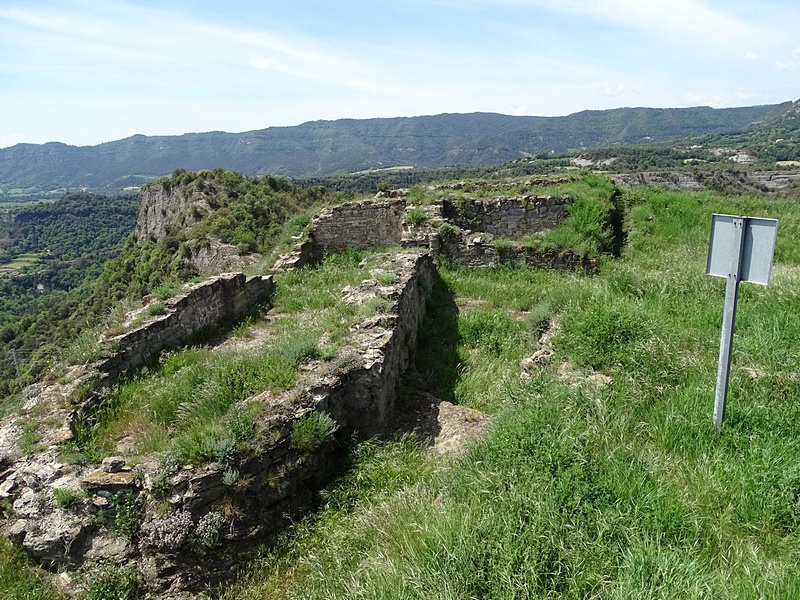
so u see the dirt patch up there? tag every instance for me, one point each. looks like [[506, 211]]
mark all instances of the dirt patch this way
[[255, 337], [443, 426]]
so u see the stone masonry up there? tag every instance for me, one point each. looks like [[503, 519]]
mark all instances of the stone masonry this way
[[508, 217], [358, 226], [276, 482], [207, 304]]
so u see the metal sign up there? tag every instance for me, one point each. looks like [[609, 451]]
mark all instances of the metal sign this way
[[740, 249], [759, 248]]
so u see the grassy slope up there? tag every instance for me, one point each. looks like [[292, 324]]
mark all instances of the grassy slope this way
[[584, 491], [19, 579]]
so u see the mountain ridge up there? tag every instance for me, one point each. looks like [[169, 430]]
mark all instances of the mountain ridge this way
[[333, 147]]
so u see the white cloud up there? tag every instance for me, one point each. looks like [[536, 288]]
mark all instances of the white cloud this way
[[714, 101], [686, 17], [114, 68], [148, 40], [262, 62], [614, 90]]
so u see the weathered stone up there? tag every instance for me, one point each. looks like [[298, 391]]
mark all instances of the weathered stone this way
[[360, 226], [17, 531], [358, 393], [100, 480], [112, 464], [54, 538], [219, 299], [8, 486], [458, 425]]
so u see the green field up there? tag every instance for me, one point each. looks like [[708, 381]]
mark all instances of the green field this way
[[21, 262]]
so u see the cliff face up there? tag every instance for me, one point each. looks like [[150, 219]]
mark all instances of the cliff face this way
[[164, 210]]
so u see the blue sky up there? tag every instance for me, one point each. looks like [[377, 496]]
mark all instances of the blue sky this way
[[87, 71]]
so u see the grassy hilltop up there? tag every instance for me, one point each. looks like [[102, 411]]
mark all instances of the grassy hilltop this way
[[601, 477]]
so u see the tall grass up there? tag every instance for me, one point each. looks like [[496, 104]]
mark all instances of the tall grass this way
[[588, 491], [182, 405], [21, 580], [581, 490]]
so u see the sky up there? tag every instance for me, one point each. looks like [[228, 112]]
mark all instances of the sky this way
[[85, 72]]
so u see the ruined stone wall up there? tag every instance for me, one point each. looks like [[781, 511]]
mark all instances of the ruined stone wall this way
[[219, 299], [274, 481], [357, 226], [476, 252], [364, 402], [508, 217], [282, 480]]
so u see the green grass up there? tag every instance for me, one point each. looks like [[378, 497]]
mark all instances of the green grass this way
[[20, 262], [580, 490], [583, 491], [20, 579], [185, 406], [416, 216]]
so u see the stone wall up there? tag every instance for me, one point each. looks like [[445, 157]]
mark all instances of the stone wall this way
[[507, 217], [207, 304], [479, 251], [369, 225], [274, 481], [282, 481], [357, 226]]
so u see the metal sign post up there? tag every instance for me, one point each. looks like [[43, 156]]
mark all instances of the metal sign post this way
[[740, 249]]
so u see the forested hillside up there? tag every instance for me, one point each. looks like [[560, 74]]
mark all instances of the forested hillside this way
[[323, 148], [49, 254]]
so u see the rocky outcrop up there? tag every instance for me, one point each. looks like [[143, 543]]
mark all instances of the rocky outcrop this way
[[213, 256], [765, 181], [165, 210]]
